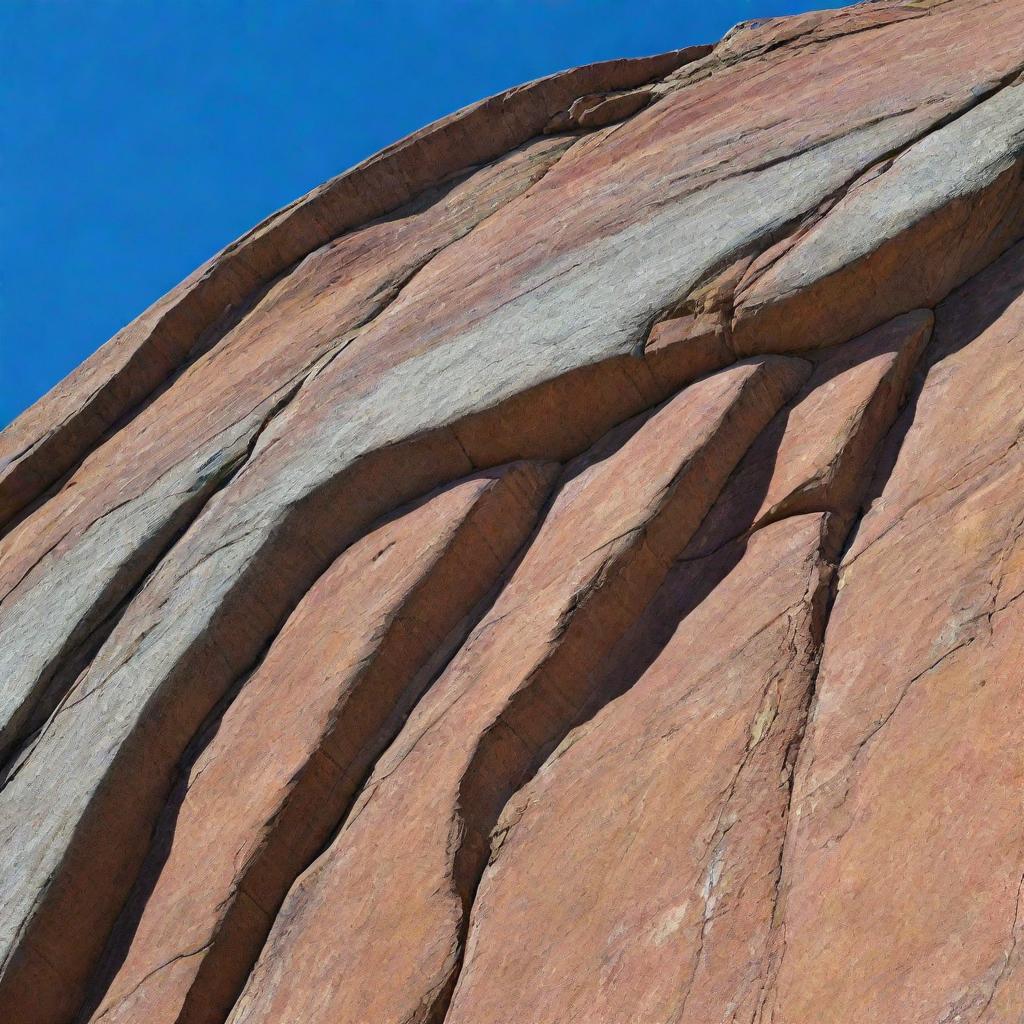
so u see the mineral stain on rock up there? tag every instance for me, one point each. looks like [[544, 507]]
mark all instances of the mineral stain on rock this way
[[566, 568]]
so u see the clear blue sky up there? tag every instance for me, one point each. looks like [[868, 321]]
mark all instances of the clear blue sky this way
[[137, 137]]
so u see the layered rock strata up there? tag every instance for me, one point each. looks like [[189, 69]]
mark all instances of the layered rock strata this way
[[597, 520]]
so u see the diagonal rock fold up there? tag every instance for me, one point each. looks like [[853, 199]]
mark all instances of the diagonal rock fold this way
[[643, 859], [253, 696], [620, 516], [257, 804], [94, 546]]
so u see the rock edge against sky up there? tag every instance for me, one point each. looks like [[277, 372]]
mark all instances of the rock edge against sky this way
[[565, 568]]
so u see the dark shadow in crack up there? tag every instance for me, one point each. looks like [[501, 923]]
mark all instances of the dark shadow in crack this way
[[960, 319], [122, 937], [120, 941], [630, 658]]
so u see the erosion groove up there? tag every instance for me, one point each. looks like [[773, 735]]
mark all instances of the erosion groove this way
[[33, 696], [760, 684], [947, 671], [521, 677], [596, 520], [420, 576]]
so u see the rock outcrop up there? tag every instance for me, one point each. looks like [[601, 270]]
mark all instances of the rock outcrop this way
[[564, 569]]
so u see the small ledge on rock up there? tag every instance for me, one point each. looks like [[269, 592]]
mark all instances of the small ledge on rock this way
[[598, 110]]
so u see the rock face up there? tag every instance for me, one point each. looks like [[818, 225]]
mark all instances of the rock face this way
[[564, 569]]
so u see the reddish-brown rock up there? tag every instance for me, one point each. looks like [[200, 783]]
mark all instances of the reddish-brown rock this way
[[623, 512], [643, 860], [744, 712], [261, 800], [637, 872], [815, 454], [192, 437], [905, 856], [61, 428]]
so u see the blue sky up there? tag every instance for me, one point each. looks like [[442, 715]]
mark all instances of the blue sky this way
[[138, 137]]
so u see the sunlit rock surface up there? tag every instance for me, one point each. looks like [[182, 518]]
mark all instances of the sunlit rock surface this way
[[564, 569]]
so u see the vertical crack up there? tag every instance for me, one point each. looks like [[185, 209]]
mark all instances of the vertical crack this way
[[886, 455]]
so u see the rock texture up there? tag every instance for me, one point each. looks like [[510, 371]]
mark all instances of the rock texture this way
[[280, 765], [565, 568]]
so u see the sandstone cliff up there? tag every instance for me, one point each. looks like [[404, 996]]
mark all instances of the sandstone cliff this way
[[564, 569]]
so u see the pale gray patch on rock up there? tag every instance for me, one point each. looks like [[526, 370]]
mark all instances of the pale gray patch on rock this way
[[70, 592], [957, 161]]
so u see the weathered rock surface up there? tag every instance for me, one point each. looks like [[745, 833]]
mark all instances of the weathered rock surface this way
[[565, 568], [61, 427], [638, 870], [622, 514], [648, 847], [905, 857], [94, 544], [259, 803]]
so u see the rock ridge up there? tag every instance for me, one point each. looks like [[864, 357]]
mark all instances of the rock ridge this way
[[596, 519]]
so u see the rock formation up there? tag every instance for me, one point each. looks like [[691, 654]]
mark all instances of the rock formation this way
[[564, 569]]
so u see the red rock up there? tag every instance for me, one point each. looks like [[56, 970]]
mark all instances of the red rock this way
[[63, 425], [637, 871], [815, 455], [509, 695], [259, 803], [694, 338], [193, 437], [599, 111], [653, 837], [905, 858], [916, 227], [751, 240]]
